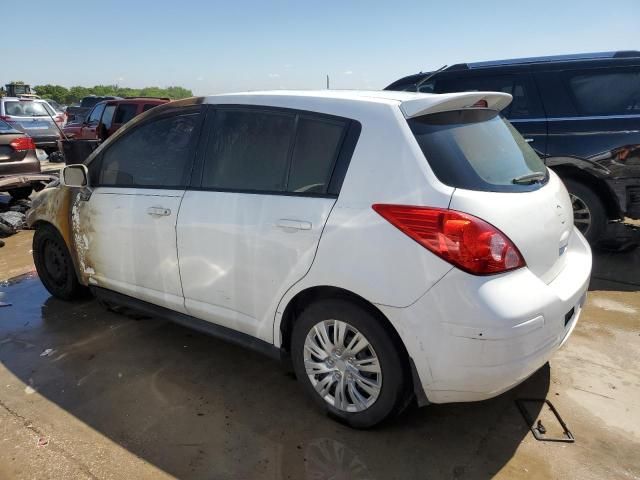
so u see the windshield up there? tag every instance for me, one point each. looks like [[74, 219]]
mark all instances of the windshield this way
[[477, 149], [27, 109]]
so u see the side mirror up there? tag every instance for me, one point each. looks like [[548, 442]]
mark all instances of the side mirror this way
[[75, 176]]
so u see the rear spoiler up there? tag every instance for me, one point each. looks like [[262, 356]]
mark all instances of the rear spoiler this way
[[445, 102]]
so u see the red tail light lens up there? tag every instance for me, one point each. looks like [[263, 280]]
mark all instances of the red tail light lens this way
[[481, 103], [463, 240], [23, 143]]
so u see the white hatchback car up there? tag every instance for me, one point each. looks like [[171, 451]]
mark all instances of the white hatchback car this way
[[392, 245]]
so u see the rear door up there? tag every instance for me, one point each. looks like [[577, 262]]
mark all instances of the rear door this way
[[594, 114], [126, 231], [249, 228]]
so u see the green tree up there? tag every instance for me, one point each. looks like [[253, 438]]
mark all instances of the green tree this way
[[54, 92]]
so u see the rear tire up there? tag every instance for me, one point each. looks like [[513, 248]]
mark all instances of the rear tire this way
[[21, 193], [589, 214], [55, 266], [373, 378]]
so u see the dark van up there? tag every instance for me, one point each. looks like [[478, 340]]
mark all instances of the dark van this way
[[581, 113]]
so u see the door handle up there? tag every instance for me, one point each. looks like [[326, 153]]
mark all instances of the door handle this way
[[158, 212], [286, 224]]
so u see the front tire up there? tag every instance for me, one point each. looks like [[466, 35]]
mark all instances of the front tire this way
[[55, 266], [589, 214], [348, 363]]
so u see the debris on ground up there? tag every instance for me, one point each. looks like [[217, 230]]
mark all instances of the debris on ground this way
[[15, 220], [43, 442], [13, 216], [48, 352]]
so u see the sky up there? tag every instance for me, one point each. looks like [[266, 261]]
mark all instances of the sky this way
[[238, 45]]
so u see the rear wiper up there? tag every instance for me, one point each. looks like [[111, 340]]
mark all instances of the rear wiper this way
[[529, 178]]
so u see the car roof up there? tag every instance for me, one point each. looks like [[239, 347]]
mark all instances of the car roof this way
[[551, 62], [23, 99], [138, 100], [411, 103]]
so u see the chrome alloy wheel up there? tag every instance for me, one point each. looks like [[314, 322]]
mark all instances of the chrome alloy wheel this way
[[581, 214], [342, 366]]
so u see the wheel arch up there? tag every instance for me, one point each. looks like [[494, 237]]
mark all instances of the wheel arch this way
[[309, 295], [598, 185]]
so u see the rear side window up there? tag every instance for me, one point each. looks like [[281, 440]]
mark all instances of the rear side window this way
[[273, 151], [477, 150], [249, 150], [107, 117], [314, 155], [124, 113], [154, 154], [148, 106], [606, 92]]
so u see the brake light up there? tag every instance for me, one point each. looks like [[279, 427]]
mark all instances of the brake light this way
[[481, 104], [23, 143], [463, 240]]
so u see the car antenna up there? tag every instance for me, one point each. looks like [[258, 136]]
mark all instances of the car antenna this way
[[429, 76]]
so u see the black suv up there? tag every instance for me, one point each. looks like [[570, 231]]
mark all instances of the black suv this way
[[581, 113]]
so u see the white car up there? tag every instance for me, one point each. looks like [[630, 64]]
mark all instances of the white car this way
[[392, 245]]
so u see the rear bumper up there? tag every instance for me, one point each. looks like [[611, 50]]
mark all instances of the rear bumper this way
[[472, 338], [46, 141]]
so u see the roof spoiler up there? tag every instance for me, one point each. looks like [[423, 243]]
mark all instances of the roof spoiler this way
[[445, 102]]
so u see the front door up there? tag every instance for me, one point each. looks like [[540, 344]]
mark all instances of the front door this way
[[126, 229], [250, 228]]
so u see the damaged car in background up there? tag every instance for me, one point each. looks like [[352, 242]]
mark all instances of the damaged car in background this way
[[393, 246]]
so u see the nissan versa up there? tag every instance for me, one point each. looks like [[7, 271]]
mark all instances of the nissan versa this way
[[392, 245]]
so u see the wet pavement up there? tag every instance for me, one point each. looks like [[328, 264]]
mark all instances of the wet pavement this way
[[86, 393]]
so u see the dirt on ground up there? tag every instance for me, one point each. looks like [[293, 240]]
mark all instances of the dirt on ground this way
[[87, 393]]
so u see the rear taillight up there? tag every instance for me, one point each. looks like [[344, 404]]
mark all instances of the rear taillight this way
[[461, 239], [23, 143]]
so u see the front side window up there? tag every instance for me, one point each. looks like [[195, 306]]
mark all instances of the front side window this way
[[476, 149], [248, 150], [155, 154], [124, 113], [96, 113], [606, 92]]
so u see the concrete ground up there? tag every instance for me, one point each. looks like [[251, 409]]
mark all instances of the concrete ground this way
[[85, 393]]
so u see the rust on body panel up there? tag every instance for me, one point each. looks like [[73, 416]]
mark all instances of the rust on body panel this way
[[62, 207]]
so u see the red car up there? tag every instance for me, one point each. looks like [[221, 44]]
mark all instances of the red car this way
[[108, 116]]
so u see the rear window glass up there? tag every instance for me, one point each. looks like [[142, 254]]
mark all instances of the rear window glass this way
[[27, 109], [606, 93], [477, 150]]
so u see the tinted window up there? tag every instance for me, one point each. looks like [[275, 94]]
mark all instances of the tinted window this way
[[475, 150], [88, 102], [125, 112], [148, 106], [156, 153], [248, 150], [316, 148], [606, 92], [95, 115], [107, 117]]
